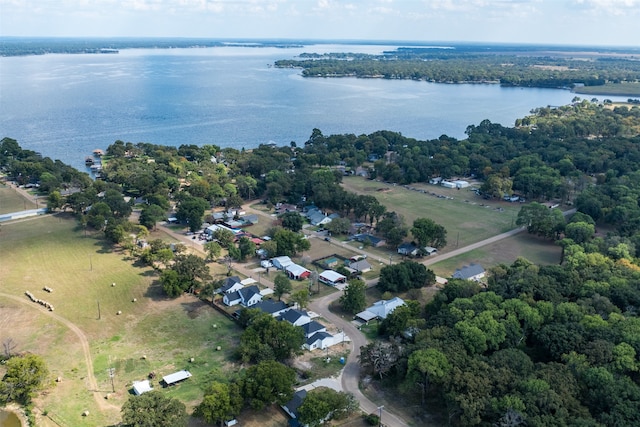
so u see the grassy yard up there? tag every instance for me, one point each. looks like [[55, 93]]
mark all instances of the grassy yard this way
[[467, 217], [535, 249], [151, 334], [12, 201]]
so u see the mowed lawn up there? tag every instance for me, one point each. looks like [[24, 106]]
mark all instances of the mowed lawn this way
[[152, 334], [467, 217]]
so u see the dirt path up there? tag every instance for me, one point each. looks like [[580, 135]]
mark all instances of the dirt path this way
[[92, 385]]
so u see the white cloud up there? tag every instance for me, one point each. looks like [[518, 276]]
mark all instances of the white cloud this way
[[609, 7]]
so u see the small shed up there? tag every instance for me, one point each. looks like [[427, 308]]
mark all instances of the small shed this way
[[176, 377], [140, 387]]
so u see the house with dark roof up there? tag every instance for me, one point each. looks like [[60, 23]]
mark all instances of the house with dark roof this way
[[370, 239], [247, 297], [312, 328], [291, 407], [408, 249], [296, 317], [230, 285], [274, 308], [470, 272], [319, 340]]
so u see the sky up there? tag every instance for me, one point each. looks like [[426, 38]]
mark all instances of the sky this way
[[559, 22]]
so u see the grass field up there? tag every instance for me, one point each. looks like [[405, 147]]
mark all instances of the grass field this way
[[467, 217], [11, 201], [52, 251], [535, 249]]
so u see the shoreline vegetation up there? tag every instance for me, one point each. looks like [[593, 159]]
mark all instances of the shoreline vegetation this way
[[583, 69]]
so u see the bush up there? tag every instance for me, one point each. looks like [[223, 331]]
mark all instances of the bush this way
[[372, 419]]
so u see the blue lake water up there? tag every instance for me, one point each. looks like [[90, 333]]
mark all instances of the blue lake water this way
[[65, 106]]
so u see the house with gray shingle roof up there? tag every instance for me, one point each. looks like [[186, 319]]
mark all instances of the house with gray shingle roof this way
[[247, 297], [470, 272]]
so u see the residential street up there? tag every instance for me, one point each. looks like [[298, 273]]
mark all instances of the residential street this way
[[351, 371]]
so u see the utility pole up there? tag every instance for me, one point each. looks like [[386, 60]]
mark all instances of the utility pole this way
[[380, 408], [98, 309], [112, 373]]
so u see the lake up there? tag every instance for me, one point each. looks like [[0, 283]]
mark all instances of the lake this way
[[65, 106]]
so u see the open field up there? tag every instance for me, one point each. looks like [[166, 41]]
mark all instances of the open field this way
[[615, 89], [535, 249], [52, 251], [467, 217], [12, 201]]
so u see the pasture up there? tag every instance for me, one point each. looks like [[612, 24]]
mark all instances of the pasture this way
[[467, 217], [506, 251], [12, 201], [152, 334]]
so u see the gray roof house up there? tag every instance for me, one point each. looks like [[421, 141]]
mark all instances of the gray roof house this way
[[291, 407], [361, 266], [380, 309], [313, 327], [408, 249], [469, 272], [230, 285], [274, 308], [371, 239], [247, 297], [296, 317], [320, 340]]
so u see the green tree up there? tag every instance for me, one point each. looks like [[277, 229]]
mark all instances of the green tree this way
[[213, 250], [54, 201], [281, 285], [246, 247], [323, 404], [426, 367], [339, 226], [428, 233], [225, 237], [353, 299], [266, 338], [154, 409], [300, 297], [150, 215], [541, 220], [579, 232], [24, 375], [221, 402], [266, 383], [289, 243], [292, 221]]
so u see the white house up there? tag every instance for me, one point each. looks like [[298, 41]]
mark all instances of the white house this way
[[331, 278], [246, 296], [380, 309], [281, 262], [231, 285], [470, 272], [274, 308], [296, 317], [319, 340]]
